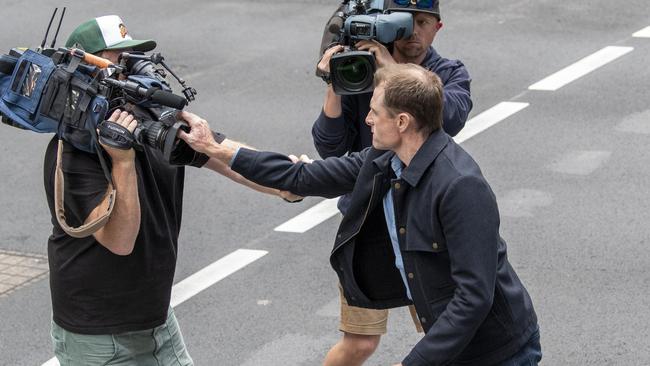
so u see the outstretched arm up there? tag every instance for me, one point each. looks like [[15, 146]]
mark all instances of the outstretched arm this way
[[223, 169], [328, 178]]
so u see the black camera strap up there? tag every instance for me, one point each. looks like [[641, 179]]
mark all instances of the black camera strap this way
[[114, 135]]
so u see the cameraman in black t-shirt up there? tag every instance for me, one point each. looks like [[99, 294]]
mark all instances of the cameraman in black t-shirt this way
[[111, 291]]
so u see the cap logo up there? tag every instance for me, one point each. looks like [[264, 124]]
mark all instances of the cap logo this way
[[123, 30]]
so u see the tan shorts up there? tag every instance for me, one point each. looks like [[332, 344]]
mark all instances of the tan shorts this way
[[364, 321]]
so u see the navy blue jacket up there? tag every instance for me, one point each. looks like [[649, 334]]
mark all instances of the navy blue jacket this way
[[472, 305], [349, 132]]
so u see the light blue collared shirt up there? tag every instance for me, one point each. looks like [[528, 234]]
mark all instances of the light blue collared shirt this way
[[389, 213]]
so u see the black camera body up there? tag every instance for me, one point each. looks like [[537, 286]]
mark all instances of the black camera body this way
[[147, 88], [352, 71], [61, 91]]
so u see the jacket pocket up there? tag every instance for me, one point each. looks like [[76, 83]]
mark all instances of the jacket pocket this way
[[431, 265], [438, 306]]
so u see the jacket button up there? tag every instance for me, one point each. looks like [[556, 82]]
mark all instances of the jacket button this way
[[423, 320], [411, 275], [398, 186], [402, 230], [435, 245]]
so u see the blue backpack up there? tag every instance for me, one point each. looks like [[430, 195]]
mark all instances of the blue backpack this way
[[45, 97], [41, 95]]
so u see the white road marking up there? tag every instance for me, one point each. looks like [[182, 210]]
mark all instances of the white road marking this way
[[488, 119], [643, 33], [205, 278], [523, 202], [310, 218], [52, 362], [581, 68], [638, 122], [582, 162], [214, 273]]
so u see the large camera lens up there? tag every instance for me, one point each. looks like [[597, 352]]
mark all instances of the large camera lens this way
[[352, 72], [161, 136], [152, 134]]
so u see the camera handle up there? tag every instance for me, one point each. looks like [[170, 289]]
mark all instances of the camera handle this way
[[158, 59]]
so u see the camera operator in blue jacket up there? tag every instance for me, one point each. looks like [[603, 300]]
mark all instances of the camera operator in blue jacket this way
[[341, 129], [422, 227]]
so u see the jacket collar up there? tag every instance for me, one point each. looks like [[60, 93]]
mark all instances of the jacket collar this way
[[382, 162], [431, 57], [425, 156]]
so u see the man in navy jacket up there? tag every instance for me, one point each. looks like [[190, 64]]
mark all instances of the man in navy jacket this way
[[340, 129], [422, 227]]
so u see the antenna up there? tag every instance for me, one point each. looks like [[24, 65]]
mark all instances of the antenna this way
[[58, 28], [48, 28]]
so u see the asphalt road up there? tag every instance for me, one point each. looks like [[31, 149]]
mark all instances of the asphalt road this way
[[570, 172]]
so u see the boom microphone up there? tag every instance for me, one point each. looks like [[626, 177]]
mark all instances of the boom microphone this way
[[155, 94], [168, 99], [335, 24]]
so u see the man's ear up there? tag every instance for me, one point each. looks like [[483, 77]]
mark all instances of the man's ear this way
[[404, 122]]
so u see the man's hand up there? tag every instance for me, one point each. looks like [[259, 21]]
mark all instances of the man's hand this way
[[286, 195], [382, 56], [200, 136], [398, 364], [324, 64], [126, 120], [304, 158]]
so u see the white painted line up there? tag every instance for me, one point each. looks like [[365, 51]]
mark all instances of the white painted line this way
[[205, 278], [310, 218], [52, 362], [213, 273], [488, 119], [643, 33], [581, 68]]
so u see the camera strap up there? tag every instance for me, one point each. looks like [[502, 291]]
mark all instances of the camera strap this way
[[89, 228], [114, 135]]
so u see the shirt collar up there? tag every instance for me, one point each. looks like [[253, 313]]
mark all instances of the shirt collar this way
[[396, 165], [425, 156]]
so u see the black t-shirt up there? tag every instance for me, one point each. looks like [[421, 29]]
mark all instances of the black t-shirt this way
[[93, 290]]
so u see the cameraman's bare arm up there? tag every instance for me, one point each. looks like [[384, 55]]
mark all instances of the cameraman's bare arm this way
[[121, 230], [201, 139], [223, 169], [332, 104]]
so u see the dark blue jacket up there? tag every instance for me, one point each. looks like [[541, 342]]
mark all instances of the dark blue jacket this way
[[472, 305]]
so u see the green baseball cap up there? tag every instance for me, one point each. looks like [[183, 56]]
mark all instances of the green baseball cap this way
[[106, 33]]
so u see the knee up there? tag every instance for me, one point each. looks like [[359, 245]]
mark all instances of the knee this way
[[360, 346]]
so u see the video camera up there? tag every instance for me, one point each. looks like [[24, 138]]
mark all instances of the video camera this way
[[351, 72], [70, 92]]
